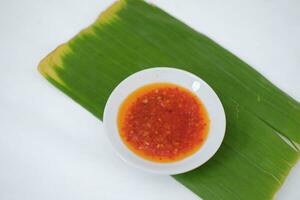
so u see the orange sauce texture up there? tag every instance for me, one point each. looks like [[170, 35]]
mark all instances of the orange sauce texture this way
[[163, 122]]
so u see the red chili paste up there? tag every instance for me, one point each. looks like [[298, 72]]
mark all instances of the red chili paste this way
[[163, 122]]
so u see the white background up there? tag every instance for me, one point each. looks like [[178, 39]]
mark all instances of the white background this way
[[51, 148]]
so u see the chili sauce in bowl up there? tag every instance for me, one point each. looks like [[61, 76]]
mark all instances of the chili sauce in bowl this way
[[164, 120]]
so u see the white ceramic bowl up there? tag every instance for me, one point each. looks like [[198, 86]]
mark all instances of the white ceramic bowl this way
[[182, 78]]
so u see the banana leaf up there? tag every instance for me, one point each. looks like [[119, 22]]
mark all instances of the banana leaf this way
[[263, 123]]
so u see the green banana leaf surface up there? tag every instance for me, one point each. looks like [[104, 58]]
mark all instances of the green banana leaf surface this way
[[263, 123]]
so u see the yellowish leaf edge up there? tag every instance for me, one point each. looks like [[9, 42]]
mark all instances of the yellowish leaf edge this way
[[47, 66]]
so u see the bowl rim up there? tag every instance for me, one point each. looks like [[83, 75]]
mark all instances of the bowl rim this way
[[184, 79]]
